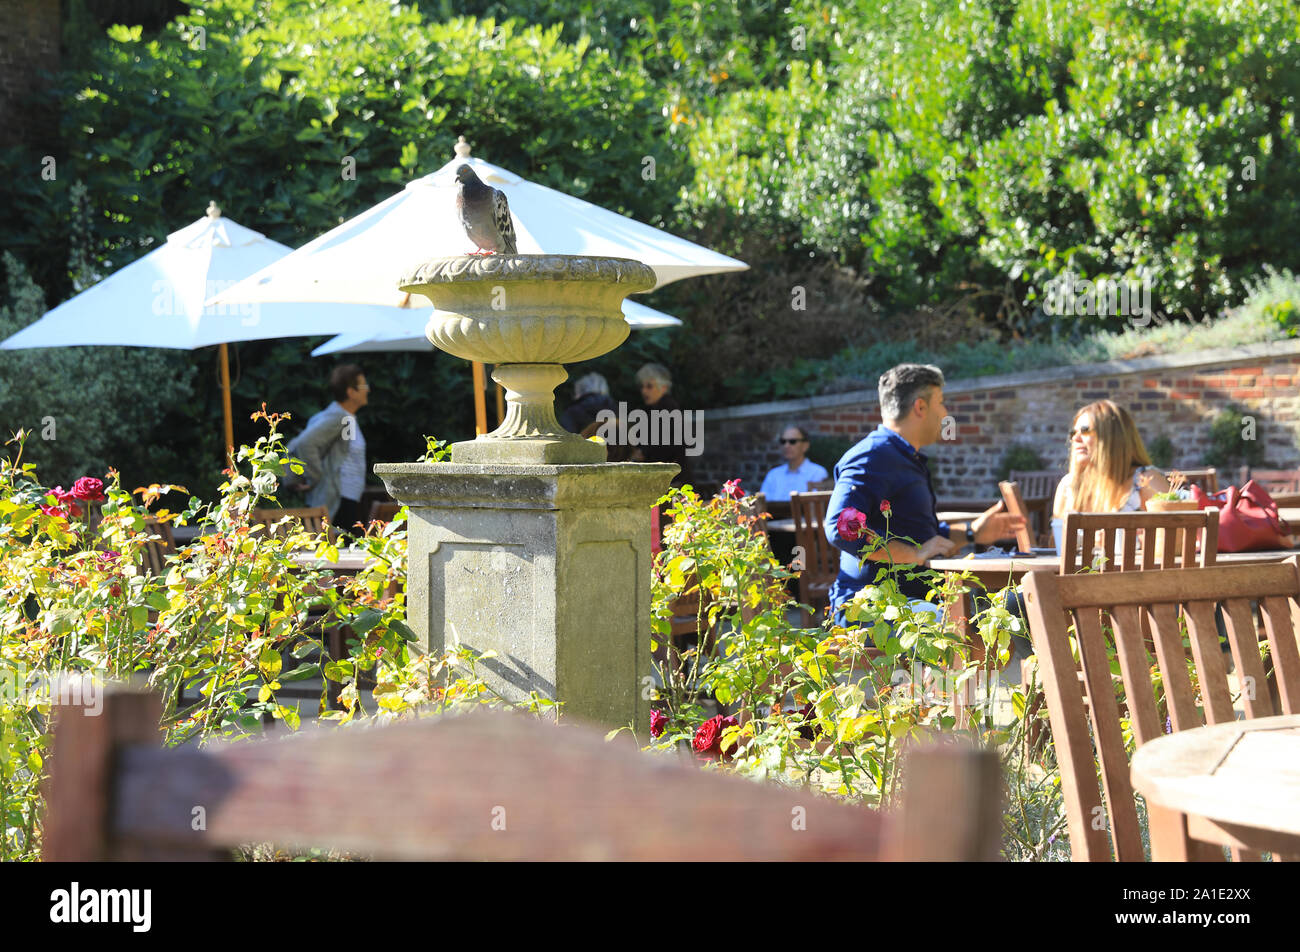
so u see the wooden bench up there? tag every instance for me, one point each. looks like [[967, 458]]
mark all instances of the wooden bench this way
[[486, 785]]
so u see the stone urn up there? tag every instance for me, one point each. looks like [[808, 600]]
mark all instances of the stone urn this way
[[529, 315]]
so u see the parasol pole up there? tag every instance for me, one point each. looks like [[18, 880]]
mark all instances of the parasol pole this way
[[480, 404], [225, 406], [501, 404]]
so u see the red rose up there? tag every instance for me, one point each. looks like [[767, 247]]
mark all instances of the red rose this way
[[89, 488], [732, 489], [658, 721], [851, 524], [884, 506], [708, 736], [116, 590], [56, 511]]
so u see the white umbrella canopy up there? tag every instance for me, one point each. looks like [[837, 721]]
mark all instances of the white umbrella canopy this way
[[407, 334], [158, 301], [363, 259]]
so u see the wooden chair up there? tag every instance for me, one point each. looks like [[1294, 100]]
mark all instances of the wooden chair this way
[[155, 551], [1278, 482], [1207, 479], [1038, 487], [314, 519], [1166, 537], [1015, 504], [1164, 599], [383, 511], [446, 788], [821, 559]]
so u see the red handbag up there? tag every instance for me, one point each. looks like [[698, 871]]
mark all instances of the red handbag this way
[[1248, 518]]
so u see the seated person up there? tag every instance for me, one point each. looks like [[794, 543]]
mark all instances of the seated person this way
[[1110, 470], [591, 395], [794, 475], [888, 466]]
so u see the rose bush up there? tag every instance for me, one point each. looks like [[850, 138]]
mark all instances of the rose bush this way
[[234, 618]]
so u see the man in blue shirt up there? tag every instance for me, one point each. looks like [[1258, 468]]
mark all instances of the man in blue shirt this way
[[889, 467], [794, 475]]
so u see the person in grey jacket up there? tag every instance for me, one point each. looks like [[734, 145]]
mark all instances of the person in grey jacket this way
[[333, 451]]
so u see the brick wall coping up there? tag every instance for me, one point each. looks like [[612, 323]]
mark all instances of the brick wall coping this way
[[1110, 368]]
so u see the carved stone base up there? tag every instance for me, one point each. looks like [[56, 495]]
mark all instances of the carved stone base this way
[[529, 433], [547, 566]]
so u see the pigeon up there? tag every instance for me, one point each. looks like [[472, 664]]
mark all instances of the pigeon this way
[[485, 213]]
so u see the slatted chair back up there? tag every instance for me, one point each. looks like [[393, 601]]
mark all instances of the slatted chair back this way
[[1207, 479], [1164, 537], [1113, 609], [384, 511], [1278, 482], [1015, 504], [1036, 483], [314, 519], [821, 560], [155, 551], [444, 788], [1038, 488]]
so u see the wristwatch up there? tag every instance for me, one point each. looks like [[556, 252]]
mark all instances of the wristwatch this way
[[970, 533]]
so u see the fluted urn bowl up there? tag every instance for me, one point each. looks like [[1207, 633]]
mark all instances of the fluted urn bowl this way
[[528, 315]]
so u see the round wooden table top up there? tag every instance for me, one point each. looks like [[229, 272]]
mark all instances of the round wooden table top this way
[[1246, 773]]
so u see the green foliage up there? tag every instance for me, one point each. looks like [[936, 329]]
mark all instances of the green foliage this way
[[1161, 451], [955, 145], [829, 450], [1234, 439], [1274, 301], [1019, 457]]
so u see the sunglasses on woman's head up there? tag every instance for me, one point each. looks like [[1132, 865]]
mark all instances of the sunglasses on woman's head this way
[[1081, 430]]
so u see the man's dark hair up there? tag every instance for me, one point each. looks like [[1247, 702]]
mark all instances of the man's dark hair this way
[[900, 387], [341, 378], [803, 430]]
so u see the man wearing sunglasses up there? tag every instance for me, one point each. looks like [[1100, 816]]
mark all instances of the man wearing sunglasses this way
[[794, 475]]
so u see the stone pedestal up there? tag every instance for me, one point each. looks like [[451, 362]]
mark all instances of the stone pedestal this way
[[548, 566]]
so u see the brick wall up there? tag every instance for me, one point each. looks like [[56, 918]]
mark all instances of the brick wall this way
[[29, 43], [1174, 396]]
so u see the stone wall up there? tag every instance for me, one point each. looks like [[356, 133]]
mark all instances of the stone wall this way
[[30, 33], [1175, 396]]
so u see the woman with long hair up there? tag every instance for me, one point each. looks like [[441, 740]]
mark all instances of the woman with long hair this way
[[1110, 469]]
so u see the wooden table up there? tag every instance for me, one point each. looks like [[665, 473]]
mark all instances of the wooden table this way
[[350, 561], [1234, 784], [787, 525]]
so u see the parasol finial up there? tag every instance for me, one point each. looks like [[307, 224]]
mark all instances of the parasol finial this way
[[461, 148]]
